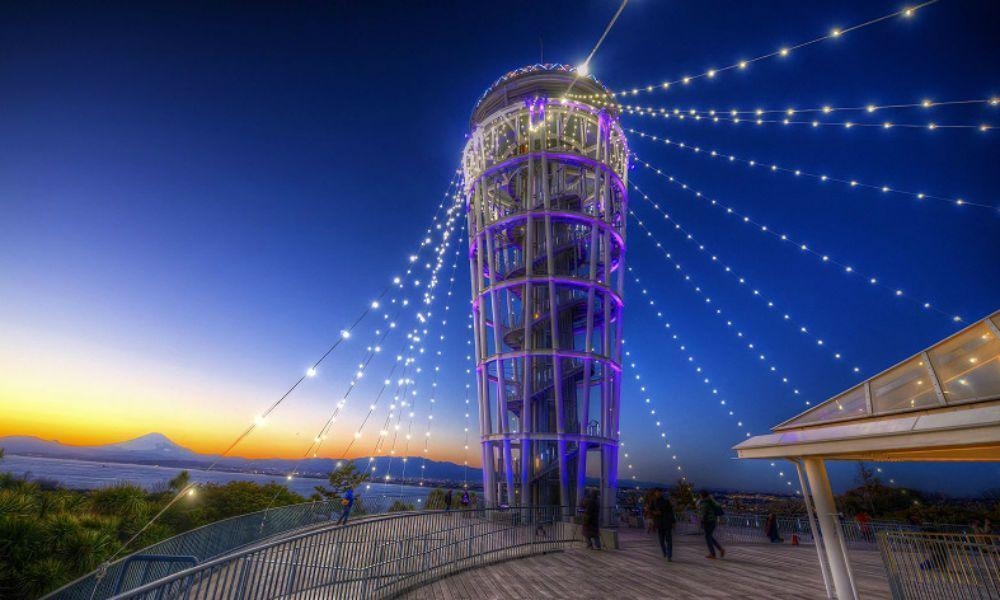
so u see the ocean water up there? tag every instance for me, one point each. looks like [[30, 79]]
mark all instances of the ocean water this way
[[83, 474]]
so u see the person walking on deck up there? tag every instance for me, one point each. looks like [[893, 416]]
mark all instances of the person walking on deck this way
[[709, 512], [348, 503], [592, 520], [663, 517]]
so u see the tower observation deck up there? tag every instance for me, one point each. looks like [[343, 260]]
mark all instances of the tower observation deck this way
[[546, 189]]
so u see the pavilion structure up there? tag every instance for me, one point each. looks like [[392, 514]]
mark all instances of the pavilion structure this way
[[939, 405]]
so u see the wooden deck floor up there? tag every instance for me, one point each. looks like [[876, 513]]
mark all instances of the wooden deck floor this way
[[639, 571]]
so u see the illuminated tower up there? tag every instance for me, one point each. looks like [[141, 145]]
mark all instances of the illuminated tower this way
[[546, 174]]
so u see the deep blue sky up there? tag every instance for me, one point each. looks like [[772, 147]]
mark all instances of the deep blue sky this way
[[195, 198]]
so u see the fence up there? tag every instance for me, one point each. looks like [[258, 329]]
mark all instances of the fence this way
[[746, 528], [210, 541], [941, 565], [374, 559]]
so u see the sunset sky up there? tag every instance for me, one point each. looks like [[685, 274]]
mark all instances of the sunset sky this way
[[196, 199]]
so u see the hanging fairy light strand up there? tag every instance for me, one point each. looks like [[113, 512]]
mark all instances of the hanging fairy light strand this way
[[758, 119], [751, 346], [689, 236], [815, 123], [375, 348], [652, 413], [428, 300], [694, 363], [802, 246], [437, 366], [925, 104], [400, 358], [781, 52], [823, 178], [633, 472], [650, 407], [416, 341], [261, 418], [471, 364]]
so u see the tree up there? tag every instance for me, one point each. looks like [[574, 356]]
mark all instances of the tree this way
[[181, 481], [435, 499], [877, 499], [343, 477], [400, 506], [682, 495]]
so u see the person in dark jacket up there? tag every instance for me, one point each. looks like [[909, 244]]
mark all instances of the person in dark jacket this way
[[592, 520], [447, 500], [771, 529], [663, 519], [709, 512]]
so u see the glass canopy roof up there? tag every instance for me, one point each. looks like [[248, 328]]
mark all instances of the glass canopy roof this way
[[962, 368]]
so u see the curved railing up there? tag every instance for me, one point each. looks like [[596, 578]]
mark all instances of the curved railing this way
[[207, 542], [373, 559], [927, 565]]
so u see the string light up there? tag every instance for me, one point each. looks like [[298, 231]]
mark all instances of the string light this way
[[434, 381], [846, 268], [733, 159], [780, 52], [735, 120], [724, 404], [417, 338], [371, 351], [754, 348], [741, 279], [826, 109], [650, 407], [261, 419]]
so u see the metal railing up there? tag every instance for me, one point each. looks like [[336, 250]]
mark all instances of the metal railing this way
[[210, 541], [374, 559], [941, 565], [747, 528]]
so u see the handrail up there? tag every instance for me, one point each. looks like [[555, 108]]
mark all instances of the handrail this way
[[372, 559], [212, 540], [929, 565]]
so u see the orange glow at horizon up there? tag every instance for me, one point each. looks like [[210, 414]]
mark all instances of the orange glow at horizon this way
[[102, 396]]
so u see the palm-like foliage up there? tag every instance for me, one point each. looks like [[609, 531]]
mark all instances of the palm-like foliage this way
[[17, 503], [42, 575], [49, 536]]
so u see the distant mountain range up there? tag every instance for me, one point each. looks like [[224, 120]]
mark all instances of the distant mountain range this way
[[158, 449]]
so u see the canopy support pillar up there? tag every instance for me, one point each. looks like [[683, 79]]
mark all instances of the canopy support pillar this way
[[826, 513]]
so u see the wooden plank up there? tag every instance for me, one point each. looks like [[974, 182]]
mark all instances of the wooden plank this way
[[638, 570]]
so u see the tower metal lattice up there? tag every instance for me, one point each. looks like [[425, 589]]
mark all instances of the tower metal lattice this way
[[546, 186]]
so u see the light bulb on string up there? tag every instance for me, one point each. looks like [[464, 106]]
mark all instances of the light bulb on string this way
[[764, 229]]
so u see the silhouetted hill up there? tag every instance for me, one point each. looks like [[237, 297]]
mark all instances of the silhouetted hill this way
[[158, 449]]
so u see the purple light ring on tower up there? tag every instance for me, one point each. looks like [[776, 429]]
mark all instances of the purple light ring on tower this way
[[556, 215], [563, 157], [562, 280], [547, 353]]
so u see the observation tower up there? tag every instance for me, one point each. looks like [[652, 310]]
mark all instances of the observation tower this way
[[546, 189]]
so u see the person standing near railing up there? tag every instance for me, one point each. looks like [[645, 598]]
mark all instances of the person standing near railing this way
[[663, 517], [348, 503], [864, 526], [591, 520], [771, 529], [709, 512]]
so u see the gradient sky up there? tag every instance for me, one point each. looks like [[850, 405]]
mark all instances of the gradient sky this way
[[195, 199]]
